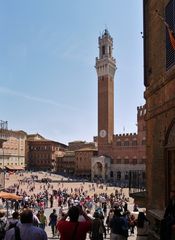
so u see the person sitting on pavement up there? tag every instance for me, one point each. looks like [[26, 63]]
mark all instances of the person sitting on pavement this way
[[73, 229], [26, 230]]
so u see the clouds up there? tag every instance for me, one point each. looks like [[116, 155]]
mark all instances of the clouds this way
[[14, 93], [47, 73]]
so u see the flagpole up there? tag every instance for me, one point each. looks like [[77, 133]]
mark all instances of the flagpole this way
[[163, 20], [170, 31]]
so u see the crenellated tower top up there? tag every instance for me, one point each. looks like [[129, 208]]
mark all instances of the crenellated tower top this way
[[105, 63]]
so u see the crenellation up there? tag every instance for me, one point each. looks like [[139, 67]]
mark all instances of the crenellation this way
[[125, 134]]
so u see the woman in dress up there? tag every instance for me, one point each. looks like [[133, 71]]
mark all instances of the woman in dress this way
[[142, 227]]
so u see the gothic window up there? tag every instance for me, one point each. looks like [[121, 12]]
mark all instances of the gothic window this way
[[118, 160], [170, 19], [126, 143], [103, 50], [118, 143], [171, 170], [126, 161], [143, 160], [134, 143], [171, 137], [134, 161]]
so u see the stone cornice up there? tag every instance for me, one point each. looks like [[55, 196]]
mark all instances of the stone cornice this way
[[160, 109], [164, 79]]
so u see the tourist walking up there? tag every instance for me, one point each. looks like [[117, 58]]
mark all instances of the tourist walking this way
[[53, 221], [119, 226], [142, 226], [26, 230], [73, 229], [14, 221], [131, 223], [98, 228], [51, 201], [3, 224], [43, 220]]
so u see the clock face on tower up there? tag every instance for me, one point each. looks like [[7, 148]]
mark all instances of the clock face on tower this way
[[103, 133]]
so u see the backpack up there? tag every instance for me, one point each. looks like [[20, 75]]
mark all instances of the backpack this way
[[12, 225], [17, 233], [2, 229]]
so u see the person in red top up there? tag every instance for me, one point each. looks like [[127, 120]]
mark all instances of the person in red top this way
[[72, 229]]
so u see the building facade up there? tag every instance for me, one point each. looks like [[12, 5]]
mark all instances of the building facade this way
[[42, 153], [77, 159], [120, 154], [65, 164], [159, 80], [12, 150], [83, 161]]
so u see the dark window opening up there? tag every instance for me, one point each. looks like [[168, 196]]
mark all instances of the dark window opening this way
[[118, 175], [126, 143], [103, 50], [111, 174], [126, 175], [109, 50], [170, 19], [134, 143]]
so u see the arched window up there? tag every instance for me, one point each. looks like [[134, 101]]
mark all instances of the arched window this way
[[118, 175], [111, 174], [126, 175]]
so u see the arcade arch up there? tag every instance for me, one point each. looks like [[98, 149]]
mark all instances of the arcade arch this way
[[170, 159]]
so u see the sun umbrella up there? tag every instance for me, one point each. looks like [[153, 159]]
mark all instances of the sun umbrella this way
[[7, 195]]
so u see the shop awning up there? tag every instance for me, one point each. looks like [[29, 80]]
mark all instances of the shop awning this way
[[14, 168]]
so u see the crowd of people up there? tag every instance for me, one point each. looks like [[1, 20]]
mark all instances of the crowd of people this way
[[75, 214], [75, 224]]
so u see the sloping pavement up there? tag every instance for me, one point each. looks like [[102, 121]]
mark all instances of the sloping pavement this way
[[48, 211]]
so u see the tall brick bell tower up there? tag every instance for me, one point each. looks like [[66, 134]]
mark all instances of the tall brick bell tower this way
[[105, 67]]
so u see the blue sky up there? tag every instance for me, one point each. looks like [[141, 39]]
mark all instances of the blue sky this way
[[48, 83]]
